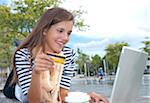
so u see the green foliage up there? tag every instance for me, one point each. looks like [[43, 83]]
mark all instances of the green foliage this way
[[82, 58], [5, 37], [17, 21], [146, 47], [96, 63], [91, 65], [27, 12], [113, 53], [79, 22]]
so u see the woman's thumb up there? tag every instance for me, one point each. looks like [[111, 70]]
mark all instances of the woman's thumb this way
[[40, 51]]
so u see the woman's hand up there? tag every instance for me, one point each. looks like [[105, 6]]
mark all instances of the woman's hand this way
[[42, 63], [97, 98], [63, 94]]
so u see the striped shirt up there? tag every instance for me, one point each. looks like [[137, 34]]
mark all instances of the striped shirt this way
[[24, 71]]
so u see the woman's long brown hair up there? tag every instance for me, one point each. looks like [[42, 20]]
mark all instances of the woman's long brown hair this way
[[35, 40]]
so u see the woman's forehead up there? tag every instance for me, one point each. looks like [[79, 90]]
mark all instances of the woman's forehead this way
[[63, 24]]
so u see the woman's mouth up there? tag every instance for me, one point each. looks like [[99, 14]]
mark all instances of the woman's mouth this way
[[61, 44]]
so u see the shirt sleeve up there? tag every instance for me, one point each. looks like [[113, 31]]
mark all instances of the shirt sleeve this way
[[69, 68], [23, 69]]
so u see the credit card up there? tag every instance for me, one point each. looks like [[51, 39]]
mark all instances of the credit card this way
[[58, 58]]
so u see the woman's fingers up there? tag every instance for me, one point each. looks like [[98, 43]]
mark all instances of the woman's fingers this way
[[97, 98], [105, 99], [45, 57], [42, 62], [40, 55], [43, 67]]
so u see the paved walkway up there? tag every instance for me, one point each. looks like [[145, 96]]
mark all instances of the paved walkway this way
[[141, 99], [3, 99]]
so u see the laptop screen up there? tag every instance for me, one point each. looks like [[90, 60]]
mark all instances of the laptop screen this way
[[129, 75]]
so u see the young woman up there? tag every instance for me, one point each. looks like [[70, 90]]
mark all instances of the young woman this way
[[51, 33]]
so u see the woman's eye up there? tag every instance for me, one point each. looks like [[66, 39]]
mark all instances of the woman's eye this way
[[69, 33], [60, 31], [63, 31]]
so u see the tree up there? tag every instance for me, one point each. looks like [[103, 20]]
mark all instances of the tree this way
[[17, 21], [113, 53], [6, 49], [146, 47], [96, 63], [82, 58]]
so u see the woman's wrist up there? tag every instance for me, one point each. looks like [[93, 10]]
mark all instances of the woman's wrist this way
[[35, 72], [63, 94]]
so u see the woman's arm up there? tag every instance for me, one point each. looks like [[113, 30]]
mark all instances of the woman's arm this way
[[34, 93], [68, 72], [42, 63]]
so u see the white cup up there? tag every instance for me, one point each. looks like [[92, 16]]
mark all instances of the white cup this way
[[77, 97]]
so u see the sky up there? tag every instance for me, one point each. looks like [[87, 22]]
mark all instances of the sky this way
[[109, 21]]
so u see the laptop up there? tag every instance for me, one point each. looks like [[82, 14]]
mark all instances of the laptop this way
[[129, 74]]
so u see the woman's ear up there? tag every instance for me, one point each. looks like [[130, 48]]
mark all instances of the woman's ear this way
[[45, 31]]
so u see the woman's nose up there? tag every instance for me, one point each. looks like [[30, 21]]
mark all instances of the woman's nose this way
[[65, 37]]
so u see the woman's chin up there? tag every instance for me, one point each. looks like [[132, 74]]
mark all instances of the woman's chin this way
[[57, 50]]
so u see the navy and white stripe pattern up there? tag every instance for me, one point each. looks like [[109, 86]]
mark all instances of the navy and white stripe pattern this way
[[24, 68]]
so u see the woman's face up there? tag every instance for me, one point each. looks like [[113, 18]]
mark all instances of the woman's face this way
[[57, 36]]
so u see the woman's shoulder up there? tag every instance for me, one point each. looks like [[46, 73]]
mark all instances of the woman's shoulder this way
[[23, 52], [69, 52], [26, 50], [68, 49]]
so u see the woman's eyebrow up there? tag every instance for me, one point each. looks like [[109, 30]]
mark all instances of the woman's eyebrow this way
[[61, 28], [70, 31]]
